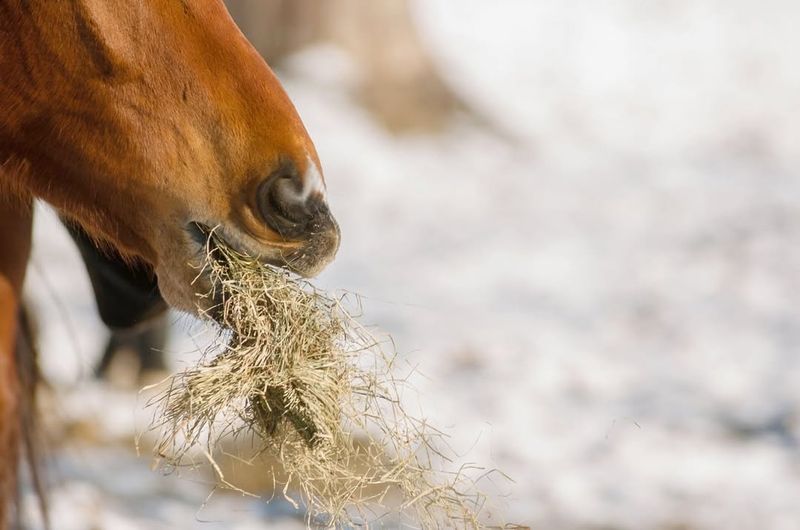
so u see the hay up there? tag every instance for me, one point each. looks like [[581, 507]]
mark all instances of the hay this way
[[317, 391]]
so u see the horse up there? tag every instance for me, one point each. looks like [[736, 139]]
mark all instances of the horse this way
[[145, 124]]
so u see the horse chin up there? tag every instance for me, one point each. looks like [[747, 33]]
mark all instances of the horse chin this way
[[181, 279]]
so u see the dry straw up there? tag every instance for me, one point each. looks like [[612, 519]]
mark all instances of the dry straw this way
[[318, 392]]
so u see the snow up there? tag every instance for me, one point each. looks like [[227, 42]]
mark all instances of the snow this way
[[605, 308]]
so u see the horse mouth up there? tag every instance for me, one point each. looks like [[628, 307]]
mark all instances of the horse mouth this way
[[189, 284], [208, 239], [306, 259]]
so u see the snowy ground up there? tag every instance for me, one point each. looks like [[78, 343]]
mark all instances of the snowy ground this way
[[606, 309]]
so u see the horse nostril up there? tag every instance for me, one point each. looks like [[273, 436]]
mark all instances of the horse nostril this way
[[286, 196], [286, 206]]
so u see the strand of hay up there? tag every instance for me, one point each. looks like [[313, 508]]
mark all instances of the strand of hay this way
[[318, 392]]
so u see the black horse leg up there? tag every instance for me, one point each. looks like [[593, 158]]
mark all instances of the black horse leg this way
[[128, 301]]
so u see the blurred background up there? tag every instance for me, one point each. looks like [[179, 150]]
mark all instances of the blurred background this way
[[578, 218]]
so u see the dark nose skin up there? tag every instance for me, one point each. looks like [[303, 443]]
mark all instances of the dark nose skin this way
[[289, 211]]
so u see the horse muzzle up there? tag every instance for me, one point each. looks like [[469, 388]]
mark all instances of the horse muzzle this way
[[294, 207]]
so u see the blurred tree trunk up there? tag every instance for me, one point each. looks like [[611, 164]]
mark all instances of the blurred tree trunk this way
[[401, 85]]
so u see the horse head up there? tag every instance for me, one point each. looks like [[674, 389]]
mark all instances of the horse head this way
[[150, 123]]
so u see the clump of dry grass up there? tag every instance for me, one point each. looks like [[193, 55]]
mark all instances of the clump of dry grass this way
[[318, 392]]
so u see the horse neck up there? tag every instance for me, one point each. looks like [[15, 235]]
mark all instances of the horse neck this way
[[59, 137]]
